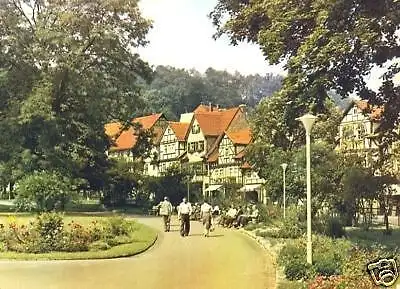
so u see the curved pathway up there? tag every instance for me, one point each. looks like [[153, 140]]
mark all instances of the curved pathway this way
[[227, 259]]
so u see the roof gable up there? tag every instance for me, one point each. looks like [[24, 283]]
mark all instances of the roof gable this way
[[242, 136], [216, 122], [180, 129], [148, 121], [124, 138], [374, 113]]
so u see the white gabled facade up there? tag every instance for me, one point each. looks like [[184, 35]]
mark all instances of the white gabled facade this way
[[227, 168], [170, 150]]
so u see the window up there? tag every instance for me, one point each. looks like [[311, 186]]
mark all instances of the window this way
[[196, 146], [201, 146], [191, 147], [195, 129]]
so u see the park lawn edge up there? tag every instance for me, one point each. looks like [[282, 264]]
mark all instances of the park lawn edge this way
[[120, 251]]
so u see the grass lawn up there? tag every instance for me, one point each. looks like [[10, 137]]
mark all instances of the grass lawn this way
[[373, 237], [143, 236]]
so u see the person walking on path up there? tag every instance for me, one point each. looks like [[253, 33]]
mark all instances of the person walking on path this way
[[165, 208], [206, 216], [184, 212]]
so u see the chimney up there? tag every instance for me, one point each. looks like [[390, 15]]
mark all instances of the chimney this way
[[209, 106]]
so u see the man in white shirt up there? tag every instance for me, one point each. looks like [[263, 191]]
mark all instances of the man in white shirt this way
[[230, 216], [205, 212], [184, 212], [165, 208]]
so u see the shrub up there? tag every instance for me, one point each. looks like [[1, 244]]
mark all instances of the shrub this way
[[295, 250], [118, 240], [326, 265], [117, 225], [329, 257], [293, 226], [50, 227], [330, 226], [43, 191], [99, 246], [47, 233], [267, 213], [77, 238], [297, 270]]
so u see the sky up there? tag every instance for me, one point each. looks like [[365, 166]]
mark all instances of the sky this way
[[182, 37]]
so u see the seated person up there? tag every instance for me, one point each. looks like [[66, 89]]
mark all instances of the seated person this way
[[216, 210], [254, 214], [230, 216], [243, 219]]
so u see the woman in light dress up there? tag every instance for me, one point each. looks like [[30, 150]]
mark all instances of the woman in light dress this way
[[206, 216]]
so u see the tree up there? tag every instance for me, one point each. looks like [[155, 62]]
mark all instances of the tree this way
[[66, 68], [122, 179], [175, 91], [171, 184], [326, 45], [44, 191]]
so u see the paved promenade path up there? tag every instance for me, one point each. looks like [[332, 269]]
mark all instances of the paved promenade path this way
[[227, 259]]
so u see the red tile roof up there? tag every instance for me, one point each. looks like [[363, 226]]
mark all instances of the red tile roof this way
[[242, 136], [126, 139], [240, 155], [246, 165], [122, 139], [375, 113], [112, 129], [180, 129], [216, 122], [148, 121]]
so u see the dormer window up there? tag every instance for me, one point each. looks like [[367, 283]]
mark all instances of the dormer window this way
[[195, 129]]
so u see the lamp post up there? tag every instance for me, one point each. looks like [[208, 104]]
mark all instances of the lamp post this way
[[308, 121], [284, 166]]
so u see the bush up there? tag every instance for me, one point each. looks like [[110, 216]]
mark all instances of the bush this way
[[77, 238], [330, 226], [297, 270], [295, 250], [99, 246], [118, 240], [293, 226], [47, 233], [329, 257], [50, 227], [115, 226], [327, 265], [43, 191]]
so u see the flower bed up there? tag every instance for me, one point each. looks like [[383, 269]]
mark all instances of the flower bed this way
[[48, 236]]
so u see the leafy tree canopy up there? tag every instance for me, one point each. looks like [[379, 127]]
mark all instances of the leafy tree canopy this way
[[327, 45], [175, 91], [66, 68]]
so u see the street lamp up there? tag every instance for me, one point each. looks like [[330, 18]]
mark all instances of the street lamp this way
[[308, 121], [284, 166]]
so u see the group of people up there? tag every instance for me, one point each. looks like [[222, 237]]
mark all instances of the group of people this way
[[184, 212], [239, 217]]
